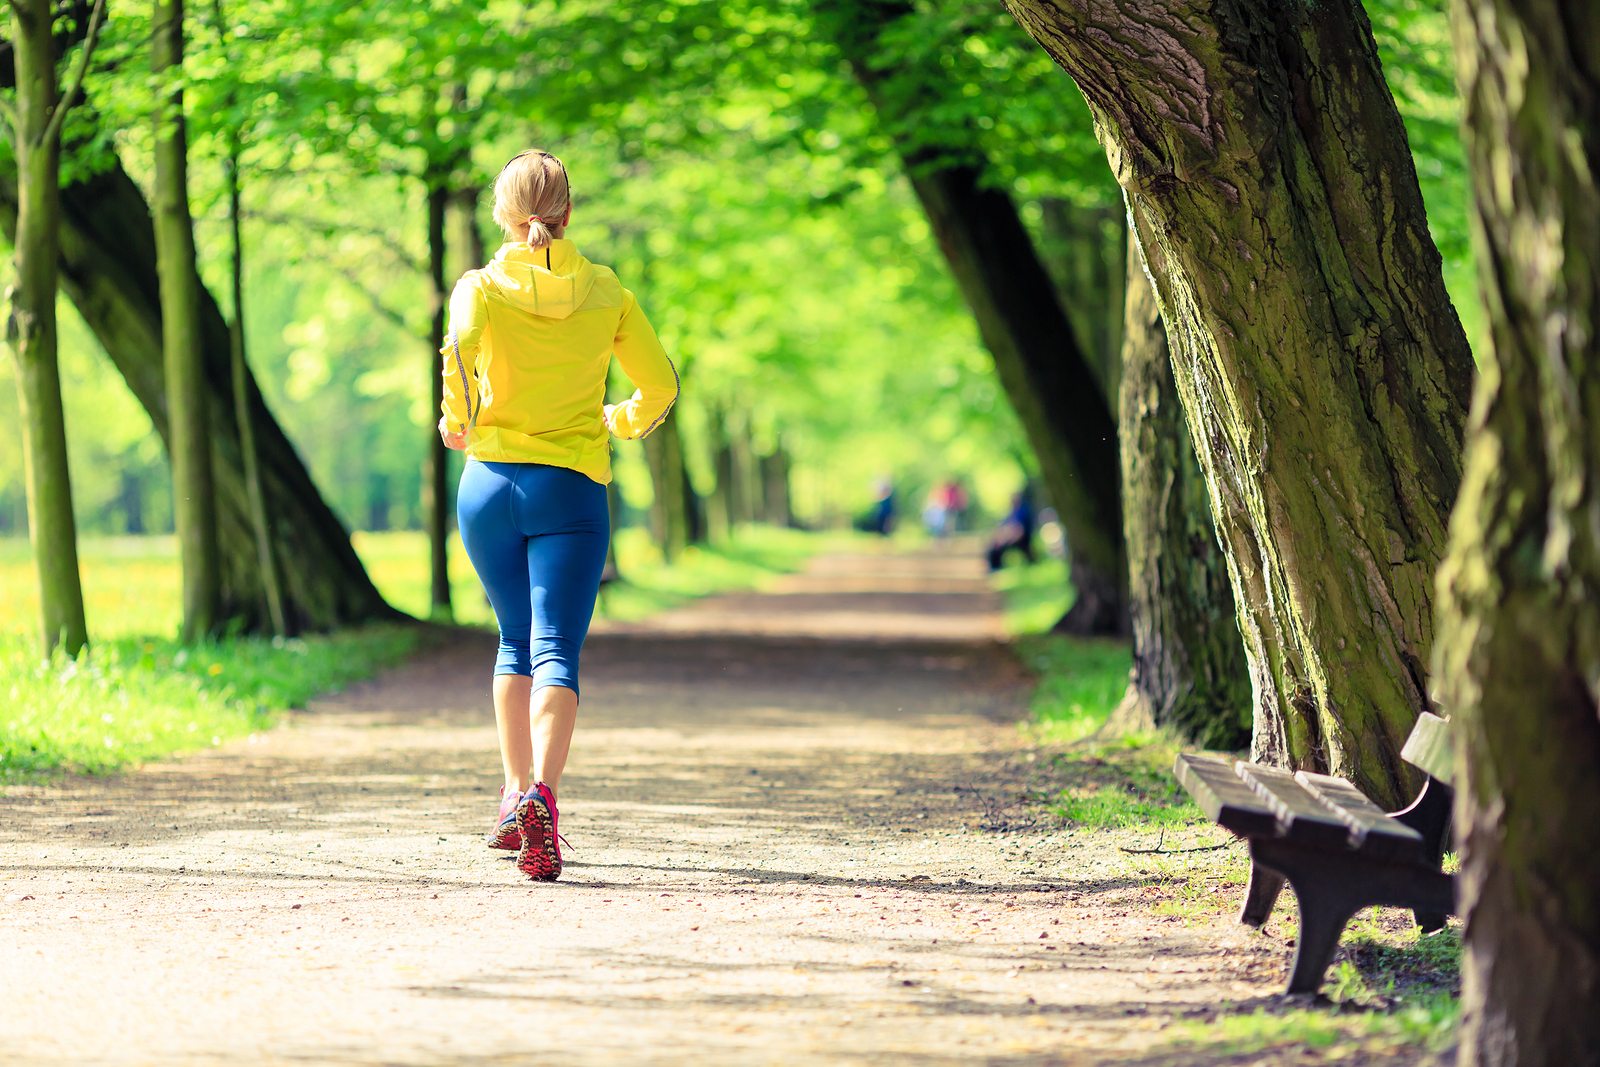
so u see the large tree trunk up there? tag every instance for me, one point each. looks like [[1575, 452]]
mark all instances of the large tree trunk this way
[[669, 519], [1048, 379], [776, 509], [1518, 657], [193, 494], [31, 330], [1189, 673], [1322, 368], [436, 468], [266, 554], [108, 268], [1085, 248]]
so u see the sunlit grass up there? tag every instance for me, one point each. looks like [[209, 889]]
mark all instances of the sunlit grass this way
[[129, 699], [1036, 595]]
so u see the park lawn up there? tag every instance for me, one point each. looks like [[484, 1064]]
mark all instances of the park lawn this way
[[137, 694]]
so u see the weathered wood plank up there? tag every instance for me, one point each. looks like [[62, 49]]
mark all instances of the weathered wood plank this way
[[1372, 831], [1301, 816], [1431, 747], [1225, 799]]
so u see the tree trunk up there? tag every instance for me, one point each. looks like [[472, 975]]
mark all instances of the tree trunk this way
[[1323, 371], [1518, 657], [31, 330], [669, 523], [1189, 673], [436, 468], [1044, 371], [1085, 249], [775, 488], [271, 583], [724, 500], [108, 269], [190, 443]]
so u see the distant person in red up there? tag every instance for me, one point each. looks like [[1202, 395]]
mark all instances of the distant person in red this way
[[1015, 531], [946, 504]]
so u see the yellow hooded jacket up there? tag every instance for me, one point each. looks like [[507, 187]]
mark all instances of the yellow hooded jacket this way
[[525, 364]]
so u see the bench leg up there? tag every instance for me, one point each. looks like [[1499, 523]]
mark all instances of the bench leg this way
[[1260, 895], [1323, 916]]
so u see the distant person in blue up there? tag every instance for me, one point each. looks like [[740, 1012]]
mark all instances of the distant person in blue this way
[[1015, 530], [880, 520]]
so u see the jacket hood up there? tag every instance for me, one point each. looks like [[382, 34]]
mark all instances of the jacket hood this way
[[550, 282]]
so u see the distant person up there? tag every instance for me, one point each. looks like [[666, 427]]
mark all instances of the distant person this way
[[531, 340], [880, 520], [1015, 532], [946, 506]]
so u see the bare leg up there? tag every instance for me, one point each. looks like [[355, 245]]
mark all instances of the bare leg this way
[[511, 693], [554, 713]]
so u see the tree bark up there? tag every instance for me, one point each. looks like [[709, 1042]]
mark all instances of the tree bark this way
[[669, 521], [436, 468], [1322, 368], [1189, 672], [724, 503], [108, 269], [1085, 249], [1518, 656], [190, 444], [1048, 379], [31, 329], [775, 487], [266, 555]]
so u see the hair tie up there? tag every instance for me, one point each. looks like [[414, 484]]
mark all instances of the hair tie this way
[[534, 218]]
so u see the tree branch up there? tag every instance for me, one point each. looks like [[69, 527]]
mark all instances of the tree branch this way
[[97, 19]]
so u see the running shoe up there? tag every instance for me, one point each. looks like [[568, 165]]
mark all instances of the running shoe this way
[[540, 856], [507, 832]]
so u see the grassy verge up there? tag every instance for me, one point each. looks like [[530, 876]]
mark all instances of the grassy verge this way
[[131, 699], [1390, 990]]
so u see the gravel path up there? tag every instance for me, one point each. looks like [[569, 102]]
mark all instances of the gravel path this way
[[775, 807]]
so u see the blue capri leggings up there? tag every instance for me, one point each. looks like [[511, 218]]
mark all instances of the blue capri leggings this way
[[537, 537]]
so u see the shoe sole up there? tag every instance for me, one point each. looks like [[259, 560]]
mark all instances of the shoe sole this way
[[538, 858], [507, 836]]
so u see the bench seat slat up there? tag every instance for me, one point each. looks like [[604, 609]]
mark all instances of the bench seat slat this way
[[1372, 831], [1300, 814], [1225, 799]]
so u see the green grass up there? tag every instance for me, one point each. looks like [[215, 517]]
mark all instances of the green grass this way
[[138, 695], [130, 699], [1036, 595]]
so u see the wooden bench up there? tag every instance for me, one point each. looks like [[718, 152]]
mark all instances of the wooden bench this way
[[1339, 850]]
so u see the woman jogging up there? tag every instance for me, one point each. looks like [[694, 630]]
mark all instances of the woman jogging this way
[[525, 364]]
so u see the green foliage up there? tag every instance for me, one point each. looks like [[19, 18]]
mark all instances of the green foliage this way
[[1036, 595], [1122, 785]]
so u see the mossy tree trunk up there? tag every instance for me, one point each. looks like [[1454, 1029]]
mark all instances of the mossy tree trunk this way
[[39, 110], [1321, 365], [108, 269], [189, 444], [776, 510], [1046, 375], [1518, 656], [1085, 249], [1189, 672], [669, 518]]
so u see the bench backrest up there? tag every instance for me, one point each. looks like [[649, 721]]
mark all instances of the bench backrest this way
[[1430, 748]]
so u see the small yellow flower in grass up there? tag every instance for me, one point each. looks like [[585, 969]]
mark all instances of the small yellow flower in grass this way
[[214, 670]]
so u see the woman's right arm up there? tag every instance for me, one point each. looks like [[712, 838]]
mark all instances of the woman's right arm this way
[[468, 314], [645, 363]]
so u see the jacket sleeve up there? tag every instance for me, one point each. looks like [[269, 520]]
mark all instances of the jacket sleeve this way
[[645, 363], [468, 315]]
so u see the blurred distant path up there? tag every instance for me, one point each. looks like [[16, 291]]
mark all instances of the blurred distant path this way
[[776, 804]]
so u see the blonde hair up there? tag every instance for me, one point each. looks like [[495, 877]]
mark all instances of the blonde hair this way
[[532, 191]]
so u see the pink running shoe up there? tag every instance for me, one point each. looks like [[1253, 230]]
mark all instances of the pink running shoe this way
[[540, 856], [507, 832]]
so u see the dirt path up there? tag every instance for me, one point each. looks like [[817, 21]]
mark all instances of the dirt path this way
[[774, 808]]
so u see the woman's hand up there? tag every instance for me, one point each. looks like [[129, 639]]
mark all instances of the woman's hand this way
[[455, 441]]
